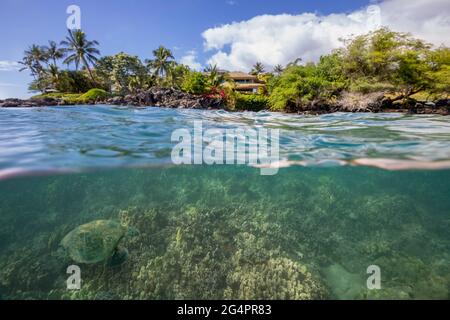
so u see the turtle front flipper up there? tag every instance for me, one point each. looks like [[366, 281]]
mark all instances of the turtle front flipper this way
[[119, 257]]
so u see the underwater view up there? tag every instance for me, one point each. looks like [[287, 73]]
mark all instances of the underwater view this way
[[96, 188]]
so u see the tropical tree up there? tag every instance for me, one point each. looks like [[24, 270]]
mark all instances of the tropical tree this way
[[162, 62], [176, 75], [301, 85], [33, 58], [383, 57], [53, 75], [211, 68], [278, 69], [74, 82], [295, 62], [258, 69], [138, 82], [195, 83], [53, 52], [439, 75], [215, 78], [119, 70], [80, 50]]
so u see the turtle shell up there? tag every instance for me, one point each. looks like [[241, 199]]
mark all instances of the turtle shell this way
[[94, 242]]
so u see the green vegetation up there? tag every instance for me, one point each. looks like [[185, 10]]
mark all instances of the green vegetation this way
[[384, 61], [162, 63], [250, 102], [93, 95], [258, 69], [122, 73], [195, 83], [119, 74], [381, 63], [80, 50], [300, 85], [69, 98], [76, 98]]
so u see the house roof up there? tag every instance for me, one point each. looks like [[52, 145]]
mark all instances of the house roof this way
[[249, 86], [237, 75]]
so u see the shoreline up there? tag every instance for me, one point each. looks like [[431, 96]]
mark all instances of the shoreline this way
[[177, 99]]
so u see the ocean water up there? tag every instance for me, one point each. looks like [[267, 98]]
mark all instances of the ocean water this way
[[359, 197]]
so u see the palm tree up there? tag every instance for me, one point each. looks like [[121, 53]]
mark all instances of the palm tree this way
[[33, 58], [278, 69], [258, 68], [53, 73], [53, 52], [162, 62], [80, 50], [211, 68], [215, 77], [296, 62]]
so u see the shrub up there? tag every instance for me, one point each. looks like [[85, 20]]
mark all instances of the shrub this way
[[251, 102], [76, 98], [367, 86], [74, 81], [93, 95], [70, 98], [195, 83]]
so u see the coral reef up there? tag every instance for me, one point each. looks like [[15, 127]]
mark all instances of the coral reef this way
[[228, 233]]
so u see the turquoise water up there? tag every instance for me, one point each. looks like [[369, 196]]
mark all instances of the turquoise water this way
[[226, 232]]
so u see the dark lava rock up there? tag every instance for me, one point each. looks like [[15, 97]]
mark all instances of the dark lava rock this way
[[18, 103], [443, 103], [169, 98], [11, 103]]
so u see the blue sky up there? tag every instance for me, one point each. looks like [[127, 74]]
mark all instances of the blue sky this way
[[139, 26]]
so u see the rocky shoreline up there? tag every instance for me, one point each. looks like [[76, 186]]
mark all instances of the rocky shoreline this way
[[376, 103], [173, 98], [157, 97]]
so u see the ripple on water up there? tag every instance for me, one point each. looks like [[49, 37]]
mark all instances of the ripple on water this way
[[73, 138]]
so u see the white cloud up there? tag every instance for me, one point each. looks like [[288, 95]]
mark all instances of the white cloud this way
[[279, 39], [190, 59], [6, 65]]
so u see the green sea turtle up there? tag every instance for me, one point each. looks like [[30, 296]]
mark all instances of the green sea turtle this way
[[97, 241]]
